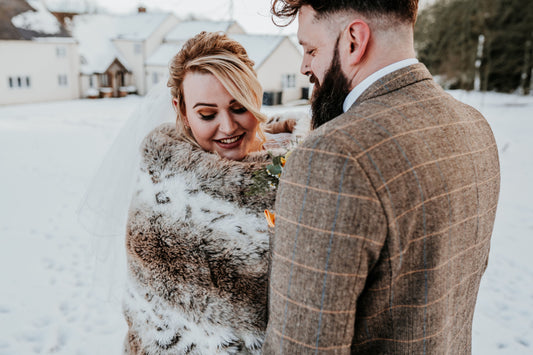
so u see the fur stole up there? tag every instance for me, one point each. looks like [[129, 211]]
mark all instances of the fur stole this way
[[197, 250]]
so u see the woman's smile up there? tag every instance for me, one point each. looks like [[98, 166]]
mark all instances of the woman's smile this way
[[231, 142]]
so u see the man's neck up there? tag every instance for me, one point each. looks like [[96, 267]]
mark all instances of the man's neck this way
[[386, 49]]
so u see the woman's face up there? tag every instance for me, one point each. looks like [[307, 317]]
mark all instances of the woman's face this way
[[218, 122]]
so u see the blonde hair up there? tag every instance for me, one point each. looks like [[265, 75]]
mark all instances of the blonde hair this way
[[226, 59]]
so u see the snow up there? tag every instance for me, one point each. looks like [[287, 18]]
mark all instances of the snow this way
[[96, 32], [258, 47], [163, 54], [48, 303], [187, 29], [40, 20]]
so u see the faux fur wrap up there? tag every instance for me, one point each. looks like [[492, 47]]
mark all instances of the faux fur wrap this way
[[197, 247]]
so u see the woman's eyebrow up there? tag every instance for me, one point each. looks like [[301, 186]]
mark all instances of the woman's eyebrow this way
[[204, 104]]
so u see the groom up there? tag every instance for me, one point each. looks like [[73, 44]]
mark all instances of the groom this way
[[385, 212]]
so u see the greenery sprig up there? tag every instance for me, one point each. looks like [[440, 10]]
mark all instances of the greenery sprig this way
[[267, 179]]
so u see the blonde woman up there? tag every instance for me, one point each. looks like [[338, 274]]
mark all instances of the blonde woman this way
[[197, 242]]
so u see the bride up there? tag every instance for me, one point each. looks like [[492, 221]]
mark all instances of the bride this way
[[197, 240]]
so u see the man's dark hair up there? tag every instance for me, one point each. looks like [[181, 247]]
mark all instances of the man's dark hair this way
[[403, 10]]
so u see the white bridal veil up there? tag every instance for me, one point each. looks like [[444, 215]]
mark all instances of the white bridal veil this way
[[104, 209]]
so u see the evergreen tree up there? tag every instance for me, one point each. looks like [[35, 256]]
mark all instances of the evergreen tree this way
[[447, 34]]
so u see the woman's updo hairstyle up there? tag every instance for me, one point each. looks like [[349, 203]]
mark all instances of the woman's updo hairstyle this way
[[226, 59]]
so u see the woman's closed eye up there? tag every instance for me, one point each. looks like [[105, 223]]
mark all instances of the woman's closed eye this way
[[207, 116], [239, 110]]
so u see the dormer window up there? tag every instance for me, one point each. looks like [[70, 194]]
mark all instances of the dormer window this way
[[61, 51]]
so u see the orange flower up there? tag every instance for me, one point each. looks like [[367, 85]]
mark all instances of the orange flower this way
[[271, 218], [283, 160]]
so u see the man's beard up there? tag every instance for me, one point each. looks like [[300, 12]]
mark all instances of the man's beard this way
[[328, 97]]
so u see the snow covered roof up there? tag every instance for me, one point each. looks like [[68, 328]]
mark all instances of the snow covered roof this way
[[95, 34], [187, 29], [163, 54], [258, 47], [25, 20], [70, 6]]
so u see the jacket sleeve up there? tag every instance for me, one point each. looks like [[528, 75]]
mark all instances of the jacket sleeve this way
[[330, 229]]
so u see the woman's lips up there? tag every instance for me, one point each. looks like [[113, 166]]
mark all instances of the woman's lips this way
[[231, 142]]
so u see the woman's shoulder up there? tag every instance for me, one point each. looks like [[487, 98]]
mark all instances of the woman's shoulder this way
[[164, 141]]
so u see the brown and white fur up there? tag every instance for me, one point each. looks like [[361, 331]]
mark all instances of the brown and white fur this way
[[197, 250]]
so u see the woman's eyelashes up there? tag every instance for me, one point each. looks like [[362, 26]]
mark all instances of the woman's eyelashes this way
[[238, 110], [207, 116]]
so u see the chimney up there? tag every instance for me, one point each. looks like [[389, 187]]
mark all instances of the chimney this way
[[141, 9]]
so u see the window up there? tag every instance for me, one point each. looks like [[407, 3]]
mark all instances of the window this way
[[155, 78], [137, 48], [104, 80], [62, 80], [19, 82], [288, 81], [61, 51]]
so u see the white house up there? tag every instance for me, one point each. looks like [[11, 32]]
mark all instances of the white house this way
[[114, 50], [157, 63], [277, 59], [38, 58], [277, 63]]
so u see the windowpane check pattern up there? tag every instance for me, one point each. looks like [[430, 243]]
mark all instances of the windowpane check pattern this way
[[383, 223]]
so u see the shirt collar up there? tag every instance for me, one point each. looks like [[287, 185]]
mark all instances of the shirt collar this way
[[365, 84]]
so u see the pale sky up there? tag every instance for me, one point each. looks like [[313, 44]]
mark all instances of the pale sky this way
[[253, 15]]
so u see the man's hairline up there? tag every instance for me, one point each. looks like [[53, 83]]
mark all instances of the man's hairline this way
[[376, 22]]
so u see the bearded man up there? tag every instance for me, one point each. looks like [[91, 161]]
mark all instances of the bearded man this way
[[384, 214]]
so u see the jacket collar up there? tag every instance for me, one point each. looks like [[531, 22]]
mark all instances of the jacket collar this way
[[396, 80]]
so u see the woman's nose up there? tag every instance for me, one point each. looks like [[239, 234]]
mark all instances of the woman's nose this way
[[227, 125]]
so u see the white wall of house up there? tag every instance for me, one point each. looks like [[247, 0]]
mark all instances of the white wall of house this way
[[281, 72], [39, 70], [156, 38], [88, 83], [136, 52], [155, 74], [133, 51]]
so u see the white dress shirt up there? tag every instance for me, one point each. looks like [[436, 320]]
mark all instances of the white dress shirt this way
[[371, 79]]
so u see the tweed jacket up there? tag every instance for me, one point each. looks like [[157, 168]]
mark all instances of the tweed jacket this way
[[197, 252], [383, 226]]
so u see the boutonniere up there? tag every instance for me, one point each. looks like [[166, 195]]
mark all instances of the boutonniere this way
[[267, 179]]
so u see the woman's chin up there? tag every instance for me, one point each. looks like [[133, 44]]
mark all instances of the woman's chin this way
[[235, 154]]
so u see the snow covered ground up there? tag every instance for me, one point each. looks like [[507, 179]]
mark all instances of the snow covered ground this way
[[48, 153]]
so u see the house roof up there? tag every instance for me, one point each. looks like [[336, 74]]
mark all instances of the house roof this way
[[258, 47], [28, 19], [96, 33], [163, 54], [187, 29], [74, 7]]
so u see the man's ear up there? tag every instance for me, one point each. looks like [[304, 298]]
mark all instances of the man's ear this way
[[358, 37]]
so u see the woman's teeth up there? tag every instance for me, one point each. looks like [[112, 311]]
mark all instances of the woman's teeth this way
[[229, 140]]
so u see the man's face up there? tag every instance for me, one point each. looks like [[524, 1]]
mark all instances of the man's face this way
[[328, 97], [318, 42]]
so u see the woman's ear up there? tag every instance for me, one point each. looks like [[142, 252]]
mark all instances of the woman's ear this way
[[358, 37], [176, 108]]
